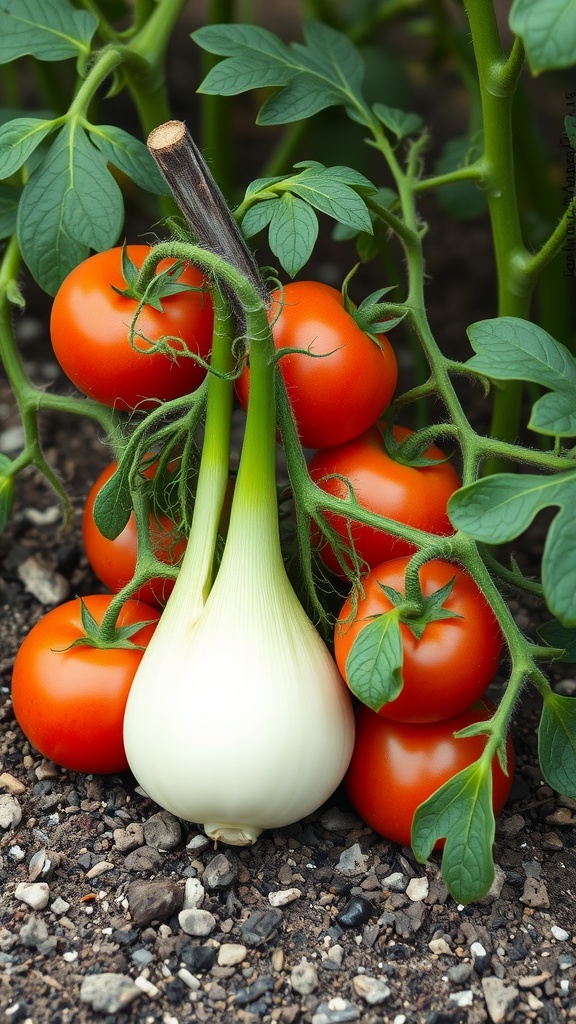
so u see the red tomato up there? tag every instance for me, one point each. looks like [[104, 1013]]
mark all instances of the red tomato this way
[[70, 703], [416, 496], [114, 561], [395, 766], [347, 382], [90, 332], [454, 660]]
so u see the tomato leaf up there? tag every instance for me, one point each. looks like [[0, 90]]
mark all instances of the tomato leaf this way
[[293, 232], [557, 743], [70, 204], [396, 121], [500, 507], [558, 636], [130, 156], [461, 812], [374, 664], [113, 505], [328, 193], [509, 348], [45, 29], [324, 71], [9, 199], [258, 217], [548, 32], [18, 139]]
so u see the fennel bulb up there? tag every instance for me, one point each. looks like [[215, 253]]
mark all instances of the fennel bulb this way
[[238, 718]]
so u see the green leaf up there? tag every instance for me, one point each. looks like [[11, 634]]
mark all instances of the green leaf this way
[[45, 29], [324, 71], [9, 199], [461, 812], [509, 348], [557, 743], [113, 504], [548, 31], [130, 156], [70, 205], [293, 232], [396, 121], [333, 197], [18, 139], [499, 508], [258, 217], [463, 200], [374, 664], [556, 635]]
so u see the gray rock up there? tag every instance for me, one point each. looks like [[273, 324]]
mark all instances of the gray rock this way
[[304, 978], [34, 932], [460, 973], [109, 992], [153, 900], [219, 872], [129, 838], [500, 998], [196, 922], [162, 831], [535, 894], [260, 926], [352, 861], [371, 990], [144, 859]]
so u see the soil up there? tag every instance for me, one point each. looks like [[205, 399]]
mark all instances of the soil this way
[[112, 910]]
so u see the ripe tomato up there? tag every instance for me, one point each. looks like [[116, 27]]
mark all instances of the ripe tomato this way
[[114, 561], [70, 703], [395, 766], [414, 495], [454, 660], [347, 382], [90, 332]]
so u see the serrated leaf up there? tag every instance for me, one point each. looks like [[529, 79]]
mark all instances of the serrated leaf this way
[[263, 185], [130, 156], [397, 121], [557, 743], [70, 205], [9, 199], [461, 812], [113, 504], [500, 507], [293, 232], [258, 217], [374, 664], [326, 70], [548, 31], [18, 139], [509, 348], [46, 29], [332, 197], [556, 635]]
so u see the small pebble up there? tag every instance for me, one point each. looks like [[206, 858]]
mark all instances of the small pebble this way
[[162, 831], [129, 838], [417, 889], [108, 992], [396, 882], [440, 946], [194, 894], [500, 998], [12, 785], [357, 911], [560, 933], [34, 894], [463, 998], [199, 958], [231, 953], [352, 861], [189, 980], [261, 926], [282, 897], [196, 922], [219, 873], [10, 811], [336, 1011], [304, 978], [154, 900], [371, 990]]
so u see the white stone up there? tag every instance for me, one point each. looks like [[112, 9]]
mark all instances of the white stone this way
[[196, 922], [34, 894], [194, 893], [560, 933], [282, 897], [464, 998], [417, 889], [371, 990], [231, 953]]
